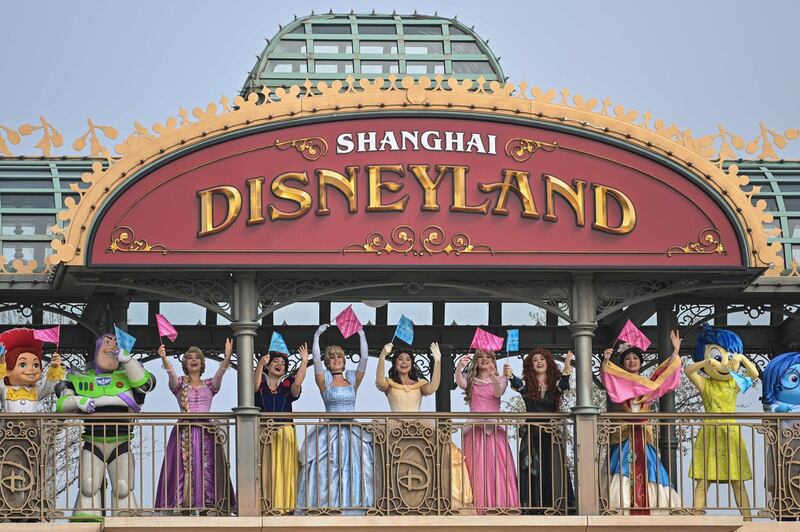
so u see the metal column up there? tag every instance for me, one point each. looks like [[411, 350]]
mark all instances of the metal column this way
[[245, 308], [443, 403], [668, 444], [585, 412]]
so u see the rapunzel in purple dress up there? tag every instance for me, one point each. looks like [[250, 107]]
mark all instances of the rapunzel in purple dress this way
[[194, 475]]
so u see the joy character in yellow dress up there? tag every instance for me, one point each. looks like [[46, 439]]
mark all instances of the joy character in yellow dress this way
[[719, 453]]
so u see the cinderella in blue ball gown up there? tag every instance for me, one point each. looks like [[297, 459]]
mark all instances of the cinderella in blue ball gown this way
[[337, 457]]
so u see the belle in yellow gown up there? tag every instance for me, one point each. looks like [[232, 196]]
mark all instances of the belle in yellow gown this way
[[404, 389]]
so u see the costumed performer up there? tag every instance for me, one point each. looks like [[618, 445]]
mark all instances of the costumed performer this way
[[337, 473], [194, 475], [118, 383], [639, 484], [719, 452]]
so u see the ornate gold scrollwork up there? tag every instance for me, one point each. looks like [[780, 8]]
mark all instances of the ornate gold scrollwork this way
[[402, 241], [311, 148], [24, 490], [123, 240], [708, 243], [521, 149], [414, 454], [432, 242]]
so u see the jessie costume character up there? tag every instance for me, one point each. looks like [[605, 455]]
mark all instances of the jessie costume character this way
[[22, 388], [21, 385]]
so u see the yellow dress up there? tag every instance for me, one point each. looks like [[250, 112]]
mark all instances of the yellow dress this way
[[280, 462], [280, 457], [719, 452], [408, 398]]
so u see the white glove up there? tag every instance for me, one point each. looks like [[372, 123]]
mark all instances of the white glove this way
[[86, 405], [124, 357], [436, 352], [321, 329]]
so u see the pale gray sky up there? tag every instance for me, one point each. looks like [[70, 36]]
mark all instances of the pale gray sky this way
[[696, 63]]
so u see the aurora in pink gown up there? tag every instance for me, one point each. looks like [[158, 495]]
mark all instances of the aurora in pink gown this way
[[195, 470], [488, 455]]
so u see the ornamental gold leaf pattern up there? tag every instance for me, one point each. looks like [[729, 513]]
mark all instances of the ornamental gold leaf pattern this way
[[22, 266], [707, 243], [123, 240], [793, 269], [11, 136], [724, 145], [50, 139], [311, 148], [97, 148], [431, 241], [521, 149], [701, 155]]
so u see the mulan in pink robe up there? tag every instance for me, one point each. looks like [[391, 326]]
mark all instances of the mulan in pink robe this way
[[639, 483]]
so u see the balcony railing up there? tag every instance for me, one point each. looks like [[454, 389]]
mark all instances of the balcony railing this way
[[396, 464], [746, 463]]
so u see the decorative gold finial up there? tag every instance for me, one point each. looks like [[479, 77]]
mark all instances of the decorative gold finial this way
[[140, 135], [51, 138], [13, 138], [793, 266], [94, 143]]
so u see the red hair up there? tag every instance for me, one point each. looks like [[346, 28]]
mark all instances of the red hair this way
[[552, 376], [18, 341]]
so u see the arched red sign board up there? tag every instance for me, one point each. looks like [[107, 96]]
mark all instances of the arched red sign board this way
[[417, 192]]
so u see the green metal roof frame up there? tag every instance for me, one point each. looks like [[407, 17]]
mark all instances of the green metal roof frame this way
[[780, 188], [43, 181], [302, 30]]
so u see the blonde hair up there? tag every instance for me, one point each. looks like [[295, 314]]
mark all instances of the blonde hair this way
[[473, 372], [183, 399], [199, 352], [330, 351]]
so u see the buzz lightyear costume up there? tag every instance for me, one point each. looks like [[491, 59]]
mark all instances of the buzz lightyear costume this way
[[106, 441]]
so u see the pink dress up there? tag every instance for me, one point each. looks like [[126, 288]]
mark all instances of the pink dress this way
[[195, 473], [489, 460]]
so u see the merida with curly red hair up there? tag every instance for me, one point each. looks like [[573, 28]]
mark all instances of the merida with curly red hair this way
[[545, 484], [552, 377]]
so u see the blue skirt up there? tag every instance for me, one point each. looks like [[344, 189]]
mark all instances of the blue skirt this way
[[620, 463], [337, 470]]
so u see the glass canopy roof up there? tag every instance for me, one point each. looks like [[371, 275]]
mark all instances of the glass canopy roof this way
[[335, 46]]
